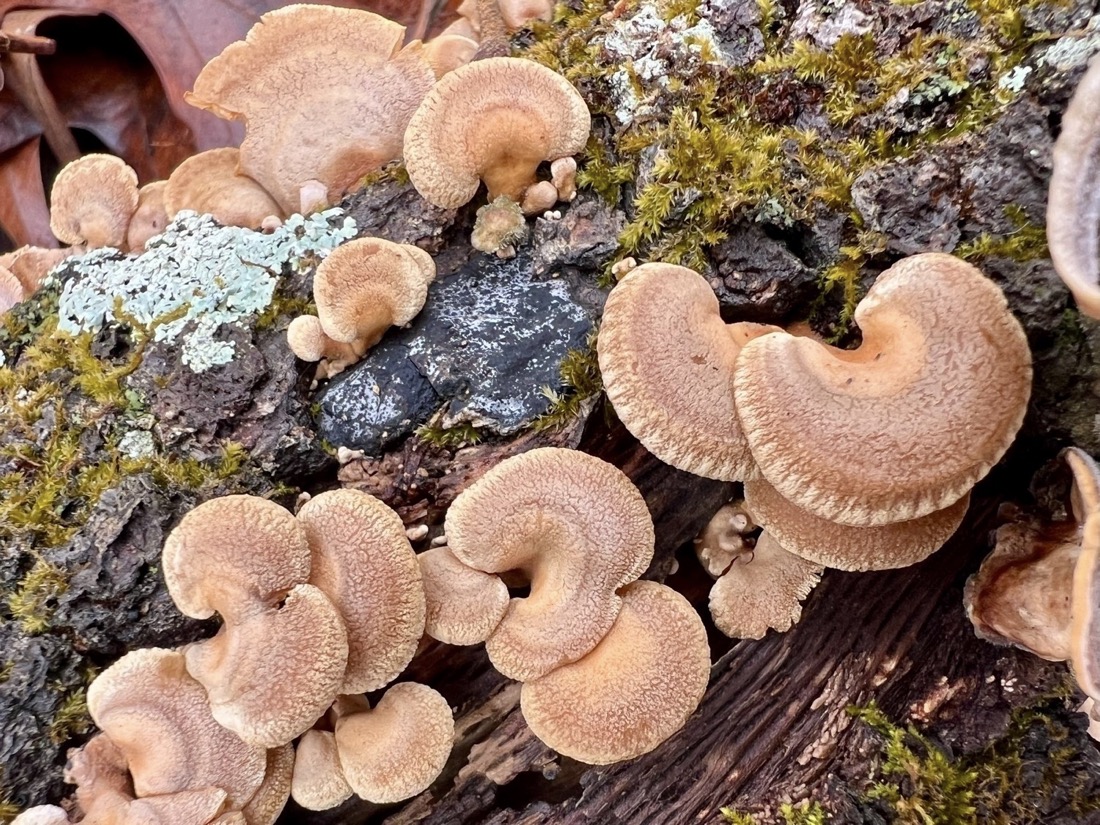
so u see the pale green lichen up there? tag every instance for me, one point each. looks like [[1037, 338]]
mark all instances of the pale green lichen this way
[[194, 277]]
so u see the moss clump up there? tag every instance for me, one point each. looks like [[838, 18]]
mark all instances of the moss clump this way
[[31, 603], [1032, 769], [71, 718], [806, 813], [464, 435], [580, 378], [1027, 242]]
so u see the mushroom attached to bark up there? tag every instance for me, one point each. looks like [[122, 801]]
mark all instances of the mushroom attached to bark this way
[[1040, 587], [464, 605], [42, 815], [398, 748], [307, 340], [762, 589], [210, 183], [907, 423], [279, 658], [576, 528], [844, 547], [667, 361], [368, 285], [635, 689], [492, 120], [724, 539], [1073, 201], [92, 201], [31, 264], [159, 718], [363, 562], [318, 782], [326, 94], [150, 217]]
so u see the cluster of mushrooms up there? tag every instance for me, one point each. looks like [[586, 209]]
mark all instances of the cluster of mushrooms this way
[[857, 459]]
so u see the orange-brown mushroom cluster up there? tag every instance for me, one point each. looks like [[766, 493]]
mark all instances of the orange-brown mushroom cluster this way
[[611, 667], [855, 459]]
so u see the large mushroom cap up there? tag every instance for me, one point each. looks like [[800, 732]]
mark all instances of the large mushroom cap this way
[[159, 718], [210, 183], [367, 285], [92, 201], [762, 589], [576, 527], [635, 689], [908, 422], [325, 94], [399, 748], [364, 563], [494, 120], [844, 547], [464, 605], [667, 358]]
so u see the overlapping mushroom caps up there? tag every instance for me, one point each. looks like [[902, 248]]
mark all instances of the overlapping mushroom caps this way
[[493, 120], [163, 757], [1073, 201], [210, 183], [576, 528], [361, 289], [325, 94], [908, 422], [150, 217], [667, 360], [92, 201], [1040, 587], [280, 657]]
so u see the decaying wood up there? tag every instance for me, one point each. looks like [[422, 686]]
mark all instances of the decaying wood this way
[[25, 43]]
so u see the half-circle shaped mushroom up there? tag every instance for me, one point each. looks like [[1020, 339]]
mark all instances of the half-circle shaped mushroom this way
[[908, 422], [493, 120], [92, 201], [464, 605], [841, 546], [307, 340], [363, 562], [576, 528], [634, 690], [210, 183], [366, 286], [325, 94], [318, 782], [31, 264], [279, 658], [667, 360]]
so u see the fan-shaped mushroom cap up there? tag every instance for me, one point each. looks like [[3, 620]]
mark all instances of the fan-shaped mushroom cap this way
[[762, 590], [399, 748], [539, 197], [159, 718], [318, 782], [843, 547], [563, 174], [1073, 200], [368, 285], [464, 605], [279, 658], [92, 201], [210, 183], [31, 264], [576, 527], [635, 689], [446, 52], [149, 218], [307, 340], [269, 800], [723, 539], [42, 815], [11, 291], [908, 422], [667, 358], [363, 562], [494, 120], [329, 107]]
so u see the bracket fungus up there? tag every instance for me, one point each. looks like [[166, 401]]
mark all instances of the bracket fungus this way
[[1040, 587], [327, 108], [363, 562], [31, 264], [667, 360], [150, 217], [92, 201], [366, 286], [907, 423], [635, 689], [1073, 202], [307, 340], [280, 657], [576, 528], [11, 291], [210, 183], [464, 605], [318, 782], [493, 120]]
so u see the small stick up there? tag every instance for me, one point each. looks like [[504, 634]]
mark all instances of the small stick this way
[[26, 43]]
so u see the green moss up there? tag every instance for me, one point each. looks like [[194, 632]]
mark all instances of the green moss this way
[[463, 435], [1027, 242], [580, 377], [806, 813], [8, 809], [71, 718], [282, 305], [31, 605]]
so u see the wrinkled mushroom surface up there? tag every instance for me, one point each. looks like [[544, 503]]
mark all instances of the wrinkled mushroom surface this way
[[92, 200], [209, 183]]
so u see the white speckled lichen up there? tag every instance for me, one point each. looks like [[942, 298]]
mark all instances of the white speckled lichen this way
[[193, 278]]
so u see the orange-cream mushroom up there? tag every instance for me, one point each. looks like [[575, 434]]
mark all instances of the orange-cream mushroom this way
[[464, 605], [92, 201], [318, 782], [210, 183], [149, 218]]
